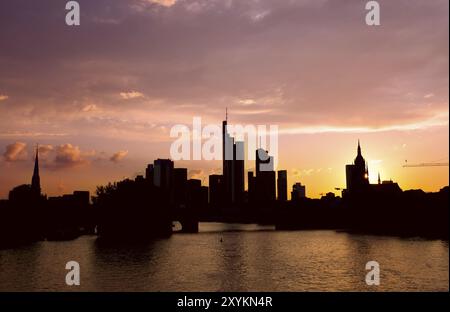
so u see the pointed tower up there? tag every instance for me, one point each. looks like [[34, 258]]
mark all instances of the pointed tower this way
[[361, 170], [379, 178], [360, 162], [35, 180]]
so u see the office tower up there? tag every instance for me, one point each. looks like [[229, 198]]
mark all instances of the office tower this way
[[357, 174], [36, 180], [238, 172], [180, 185], [298, 191], [282, 185], [149, 173], [204, 190], [227, 159], [266, 186], [163, 173], [216, 187], [251, 187], [264, 162], [194, 192], [265, 178], [233, 167], [349, 169]]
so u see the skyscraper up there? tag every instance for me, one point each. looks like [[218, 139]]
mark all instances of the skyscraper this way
[[282, 185], [216, 188], [36, 180], [298, 191], [194, 192], [265, 179], [180, 185], [251, 187], [238, 172], [233, 166], [163, 173], [357, 174], [227, 159], [149, 173], [264, 162]]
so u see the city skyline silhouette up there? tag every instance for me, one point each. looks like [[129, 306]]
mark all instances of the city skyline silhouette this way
[[224, 146], [148, 205], [114, 108]]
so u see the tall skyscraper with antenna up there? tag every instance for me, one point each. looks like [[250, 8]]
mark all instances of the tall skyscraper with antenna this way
[[233, 166]]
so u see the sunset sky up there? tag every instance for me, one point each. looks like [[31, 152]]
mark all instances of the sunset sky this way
[[100, 98]]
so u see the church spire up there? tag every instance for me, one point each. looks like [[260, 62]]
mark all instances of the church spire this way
[[379, 178], [35, 180], [359, 148]]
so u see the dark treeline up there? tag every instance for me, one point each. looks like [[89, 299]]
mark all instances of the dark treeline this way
[[132, 209]]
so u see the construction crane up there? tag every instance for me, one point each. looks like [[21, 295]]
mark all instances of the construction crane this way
[[429, 164]]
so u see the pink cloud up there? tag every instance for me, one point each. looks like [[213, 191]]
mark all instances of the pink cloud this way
[[68, 156], [118, 156], [15, 152]]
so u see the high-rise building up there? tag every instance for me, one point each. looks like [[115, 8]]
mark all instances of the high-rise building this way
[[36, 180], [204, 190], [251, 187], [194, 192], [265, 179], [238, 172], [298, 191], [282, 185], [180, 185], [266, 186], [264, 162], [227, 159], [233, 167], [216, 187], [149, 173], [357, 174], [163, 173]]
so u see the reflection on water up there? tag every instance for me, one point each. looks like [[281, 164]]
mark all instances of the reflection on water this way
[[227, 257]]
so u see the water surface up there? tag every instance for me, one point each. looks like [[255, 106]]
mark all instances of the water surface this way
[[230, 257]]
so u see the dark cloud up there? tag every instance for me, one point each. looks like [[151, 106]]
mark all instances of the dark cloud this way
[[118, 156], [15, 152], [135, 68], [294, 63]]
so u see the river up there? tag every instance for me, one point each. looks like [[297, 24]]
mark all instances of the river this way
[[231, 257]]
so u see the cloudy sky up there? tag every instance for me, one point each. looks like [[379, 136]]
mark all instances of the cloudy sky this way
[[100, 98]]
